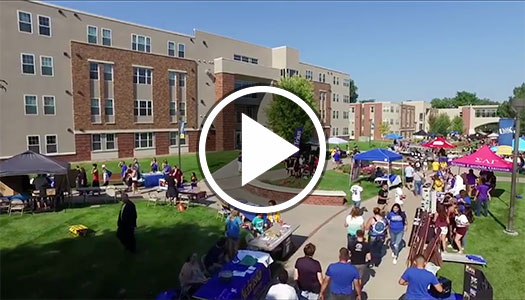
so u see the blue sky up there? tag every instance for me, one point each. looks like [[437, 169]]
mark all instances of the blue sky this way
[[394, 51]]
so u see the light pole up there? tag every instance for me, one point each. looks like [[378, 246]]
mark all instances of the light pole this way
[[517, 105]]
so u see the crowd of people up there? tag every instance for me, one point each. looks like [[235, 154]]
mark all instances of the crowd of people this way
[[300, 166]]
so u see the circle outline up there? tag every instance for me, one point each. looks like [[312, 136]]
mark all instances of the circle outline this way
[[204, 163]]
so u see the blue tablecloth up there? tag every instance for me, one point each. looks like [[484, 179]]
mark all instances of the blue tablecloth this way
[[152, 179], [248, 287]]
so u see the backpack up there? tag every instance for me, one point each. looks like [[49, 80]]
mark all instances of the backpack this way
[[379, 227], [108, 172]]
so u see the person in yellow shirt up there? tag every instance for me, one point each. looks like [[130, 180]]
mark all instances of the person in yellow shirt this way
[[276, 216], [435, 166], [438, 184], [443, 164]]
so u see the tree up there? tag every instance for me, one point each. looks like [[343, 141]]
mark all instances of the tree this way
[[439, 124], [505, 111], [461, 99], [353, 92], [384, 128], [457, 124], [284, 116]]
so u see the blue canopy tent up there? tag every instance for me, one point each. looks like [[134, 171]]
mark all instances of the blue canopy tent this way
[[393, 136], [379, 154]]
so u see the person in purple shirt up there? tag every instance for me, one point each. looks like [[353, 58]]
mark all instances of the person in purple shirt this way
[[471, 181], [482, 198], [417, 280]]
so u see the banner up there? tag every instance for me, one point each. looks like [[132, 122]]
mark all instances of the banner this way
[[297, 139], [182, 130], [506, 132]]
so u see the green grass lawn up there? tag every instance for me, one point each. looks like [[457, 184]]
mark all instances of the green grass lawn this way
[[363, 146], [190, 163], [331, 180], [503, 252], [41, 259]]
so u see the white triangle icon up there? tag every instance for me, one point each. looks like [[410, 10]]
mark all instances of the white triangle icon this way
[[261, 149]]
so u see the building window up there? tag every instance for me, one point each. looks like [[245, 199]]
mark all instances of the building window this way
[[141, 43], [334, 80], [346, 82], [171, 48], [106, 37], [320, 77], [95, 110], [144, 140], [28, 64], [309, 75], [46, 65], [420, 116], [182, 107], [108, 72], [174, 136], [142, 76], [92, 34], [25, 22], [109, 110], [247, 59], [101, 142], [44, 25], [93, 71], [173, 110], [143, 108], [182, 50], [391, 109], [51, 144], [324, 77], [182, 80], [254, 61], [353, 109], [33, 143], [345, 130], [172, 77], [345, 115], [31, 106], [371, 109], [49, 105], [391, 121]]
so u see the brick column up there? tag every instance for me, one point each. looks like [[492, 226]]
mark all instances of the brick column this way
[[225, 120], [82, 147], [162, 143], [126, 144]]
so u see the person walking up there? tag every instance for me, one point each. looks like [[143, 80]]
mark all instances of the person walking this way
[[417, 280], [342, 280], [360, 254], [462, 224], [397, 222], [409, 176], [382, 196], [377, 229], [442, 221], [419, 178], [96, 177], [239, 162], [282, 290], [123, 170], [353, 222], [482, 198], [356, 191], [308, 274], [126, 224], [233, 233]]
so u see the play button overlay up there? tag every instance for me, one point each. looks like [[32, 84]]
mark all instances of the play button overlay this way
[[261, 148], [258, 142]]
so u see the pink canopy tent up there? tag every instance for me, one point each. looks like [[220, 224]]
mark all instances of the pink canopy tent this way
[[483, 159], [439, 142]]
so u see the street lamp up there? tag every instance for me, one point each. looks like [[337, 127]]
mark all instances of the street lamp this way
[[517, 105]]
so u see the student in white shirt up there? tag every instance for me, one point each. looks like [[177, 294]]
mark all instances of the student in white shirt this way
[[356, 191], [399, 195], [282, 290]]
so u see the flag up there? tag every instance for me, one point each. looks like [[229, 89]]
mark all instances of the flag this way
[[506, 132]]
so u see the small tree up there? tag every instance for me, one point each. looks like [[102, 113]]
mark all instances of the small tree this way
[[439, 124], [384, 128], [284, 116], [457, 124], [353, 92]]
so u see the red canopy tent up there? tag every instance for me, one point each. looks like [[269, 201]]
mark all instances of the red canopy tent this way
[[483, 159], [439, 142]]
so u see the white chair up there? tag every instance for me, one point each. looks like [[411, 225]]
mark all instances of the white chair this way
[[152, 198], [17, 205]]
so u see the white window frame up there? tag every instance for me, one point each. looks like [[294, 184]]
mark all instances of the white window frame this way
[[174, 48], [103, 140], [110, 36], [136, 74], [138, 108], [50, 29], [18, 21], [98, 70], [146, 38], [91, 106], [112, 108], [52, 66], [22, 64], [46, 144], [104, 72], [183, 50], [36, 104], [44, 105], [39, 144], [139, 140], [96, 35]]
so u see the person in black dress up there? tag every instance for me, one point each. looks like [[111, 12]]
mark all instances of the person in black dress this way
[[172, 193], [126, 224]]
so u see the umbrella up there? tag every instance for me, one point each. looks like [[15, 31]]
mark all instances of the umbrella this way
[[439, 142], [336, 141], [420, 133], [393, 136]]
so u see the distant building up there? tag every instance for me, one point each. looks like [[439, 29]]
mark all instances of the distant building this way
[[473, 116], [422, 113]]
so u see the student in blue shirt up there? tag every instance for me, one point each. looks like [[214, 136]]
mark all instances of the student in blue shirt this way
[[397, 221], [233, 233], [342, 279], [418, 280]]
